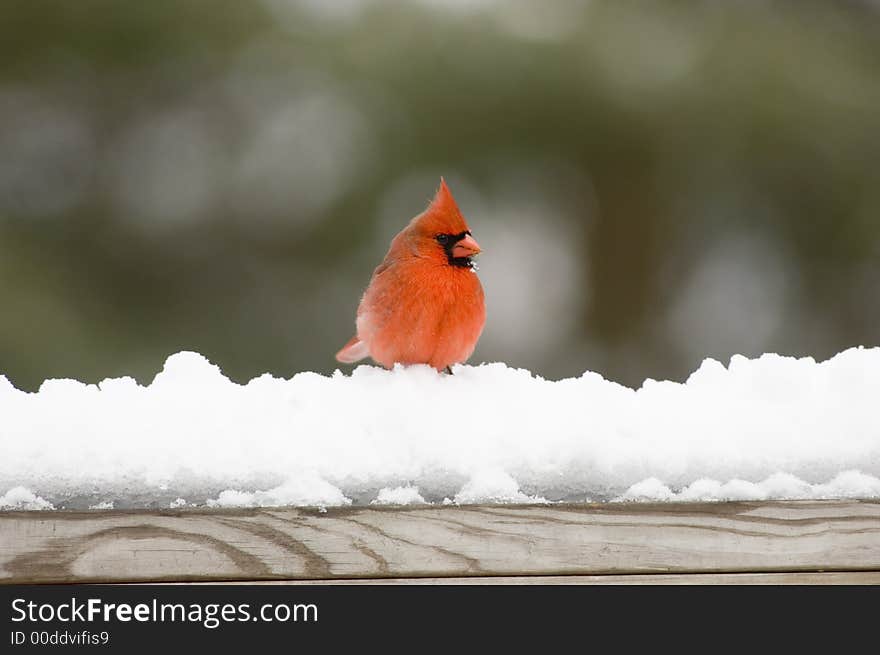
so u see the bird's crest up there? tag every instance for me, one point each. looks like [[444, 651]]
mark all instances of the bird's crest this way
[[443, 215]]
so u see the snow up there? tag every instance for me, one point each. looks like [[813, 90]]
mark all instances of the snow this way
[[493, 486], [22, 498], [768, 428], [779, 486], [306, 489], [406, 495]]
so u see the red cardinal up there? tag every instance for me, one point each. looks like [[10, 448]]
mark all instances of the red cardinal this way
[[424, 304]]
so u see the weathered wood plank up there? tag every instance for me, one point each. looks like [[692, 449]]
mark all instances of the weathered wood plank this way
[[370, 542], [799, 578]]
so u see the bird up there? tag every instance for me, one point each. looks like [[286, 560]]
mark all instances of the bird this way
[[424, 303]]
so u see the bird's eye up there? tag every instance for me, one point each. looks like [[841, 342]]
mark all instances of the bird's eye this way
[[442, 239]]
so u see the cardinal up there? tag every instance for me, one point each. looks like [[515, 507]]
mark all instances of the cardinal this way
[[424, 303]]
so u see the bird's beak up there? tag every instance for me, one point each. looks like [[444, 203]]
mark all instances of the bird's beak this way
[[467, 247]]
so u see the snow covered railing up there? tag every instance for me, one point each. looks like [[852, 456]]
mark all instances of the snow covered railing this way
[[780, 541], [767, 466], [772, 428]]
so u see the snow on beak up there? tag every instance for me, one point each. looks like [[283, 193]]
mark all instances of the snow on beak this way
[[467, 247]]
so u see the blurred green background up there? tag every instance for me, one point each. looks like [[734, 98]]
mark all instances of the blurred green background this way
[[652, 182]]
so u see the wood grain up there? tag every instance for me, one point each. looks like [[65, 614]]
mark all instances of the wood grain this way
[[798, 578], [440, 542]]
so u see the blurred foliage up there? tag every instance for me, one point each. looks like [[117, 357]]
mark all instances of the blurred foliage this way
[[653, 182]]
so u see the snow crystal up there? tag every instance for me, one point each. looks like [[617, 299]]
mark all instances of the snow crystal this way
[[768, 428]]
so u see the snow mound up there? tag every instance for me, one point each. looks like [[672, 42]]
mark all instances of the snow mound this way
[[22, 498], [406, 495], [768, 428]]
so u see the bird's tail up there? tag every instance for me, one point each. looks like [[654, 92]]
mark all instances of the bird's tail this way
[[355, 350]]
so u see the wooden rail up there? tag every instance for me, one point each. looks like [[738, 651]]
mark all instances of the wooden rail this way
[[750, 542]]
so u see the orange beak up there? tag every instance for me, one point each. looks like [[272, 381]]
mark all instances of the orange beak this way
[[467, 247]]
